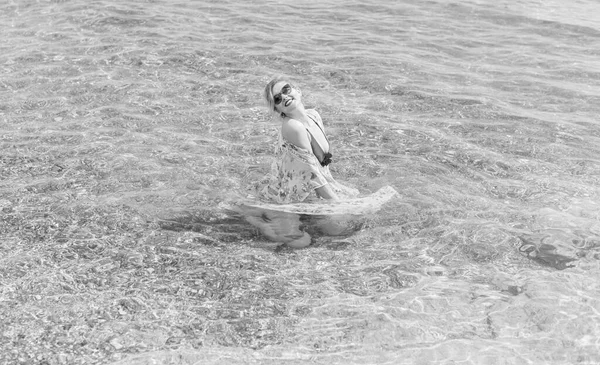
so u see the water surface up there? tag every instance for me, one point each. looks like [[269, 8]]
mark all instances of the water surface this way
[[127, 127]]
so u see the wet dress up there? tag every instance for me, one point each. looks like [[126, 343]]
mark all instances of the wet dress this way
[[296, 172]]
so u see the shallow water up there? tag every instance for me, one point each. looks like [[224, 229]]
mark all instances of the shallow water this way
[[127, 127]]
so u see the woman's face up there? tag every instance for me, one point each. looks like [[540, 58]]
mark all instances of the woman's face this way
[[285, 96]]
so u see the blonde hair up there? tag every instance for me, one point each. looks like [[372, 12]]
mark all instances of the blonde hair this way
[[268, 95]]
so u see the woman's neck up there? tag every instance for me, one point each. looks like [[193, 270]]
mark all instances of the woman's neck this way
[[299, 113]]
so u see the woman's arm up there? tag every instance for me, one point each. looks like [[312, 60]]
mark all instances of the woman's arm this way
[[326, 192]]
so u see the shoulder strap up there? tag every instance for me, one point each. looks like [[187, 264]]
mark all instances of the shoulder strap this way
[[318, 125]]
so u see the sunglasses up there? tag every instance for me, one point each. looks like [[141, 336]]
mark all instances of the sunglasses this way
[[286, 89]]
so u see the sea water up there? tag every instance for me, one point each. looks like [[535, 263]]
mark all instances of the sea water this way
[[126, 127]]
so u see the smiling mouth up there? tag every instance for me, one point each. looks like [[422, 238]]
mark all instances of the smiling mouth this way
[[288, 102]]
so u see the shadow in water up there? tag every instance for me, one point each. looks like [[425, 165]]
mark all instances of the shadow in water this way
[[294, 230], [215, 226]]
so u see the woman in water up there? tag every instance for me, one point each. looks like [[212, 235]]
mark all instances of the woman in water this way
[[303, 151], [301, 167]]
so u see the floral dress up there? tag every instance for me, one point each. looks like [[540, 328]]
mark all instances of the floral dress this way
[[296, 172]]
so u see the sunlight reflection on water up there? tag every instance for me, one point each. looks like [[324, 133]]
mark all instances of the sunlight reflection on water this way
[[127, 127]]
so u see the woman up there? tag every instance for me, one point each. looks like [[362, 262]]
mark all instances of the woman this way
[[301, 167], [303, 151]]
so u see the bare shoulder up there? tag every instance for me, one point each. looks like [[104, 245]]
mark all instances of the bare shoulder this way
[[294, 131], [292, 126]]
